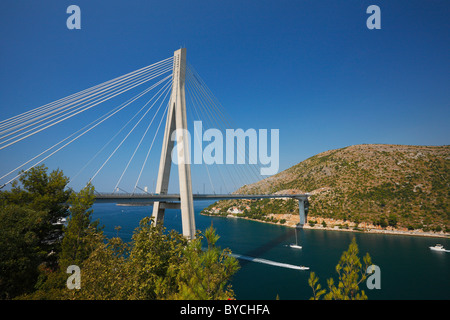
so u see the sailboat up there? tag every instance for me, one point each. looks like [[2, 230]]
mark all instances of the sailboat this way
[[295, 246]]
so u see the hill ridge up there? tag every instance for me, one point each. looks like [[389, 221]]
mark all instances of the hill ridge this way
[[404, 185]]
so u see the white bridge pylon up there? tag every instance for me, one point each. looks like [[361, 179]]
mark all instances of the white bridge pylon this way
[[176, 122], [29, 123]]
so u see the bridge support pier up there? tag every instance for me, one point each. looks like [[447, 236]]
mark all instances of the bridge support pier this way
[[176, 125], [302, 210]]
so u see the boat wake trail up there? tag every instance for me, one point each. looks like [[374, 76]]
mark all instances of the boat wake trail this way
[[270, 262]]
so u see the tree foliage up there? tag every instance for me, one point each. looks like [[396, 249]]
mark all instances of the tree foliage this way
[[204, 274], [30, 235], [158, 265], [35, 250], [20, 249], [351, 273], [80, 235]]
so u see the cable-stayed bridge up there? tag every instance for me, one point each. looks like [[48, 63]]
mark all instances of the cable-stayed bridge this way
[[167, 80]]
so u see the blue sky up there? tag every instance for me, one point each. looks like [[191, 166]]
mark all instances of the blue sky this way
[[309, 68]]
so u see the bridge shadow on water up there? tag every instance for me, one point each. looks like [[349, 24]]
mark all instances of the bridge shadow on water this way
[[265, 247]]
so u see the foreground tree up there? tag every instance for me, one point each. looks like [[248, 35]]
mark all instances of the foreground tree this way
[[205, 274], [42, 192], [20, 249], [143, 269], [81, 237], [29, 231], [35, 250], [158, 265], [351, 273], [154, 261], [81, 234]]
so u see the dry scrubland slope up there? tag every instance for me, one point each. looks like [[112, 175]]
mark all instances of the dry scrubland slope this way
[[406, 186]]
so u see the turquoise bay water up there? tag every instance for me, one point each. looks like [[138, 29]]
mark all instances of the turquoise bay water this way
[[409, 269]]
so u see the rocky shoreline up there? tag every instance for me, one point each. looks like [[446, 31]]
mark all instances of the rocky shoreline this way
[[330, 224]]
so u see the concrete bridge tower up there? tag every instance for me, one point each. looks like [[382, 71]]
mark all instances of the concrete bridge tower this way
[[176, 127]]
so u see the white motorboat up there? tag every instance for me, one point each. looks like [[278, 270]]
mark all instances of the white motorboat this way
[[438, 247], [303, 268]]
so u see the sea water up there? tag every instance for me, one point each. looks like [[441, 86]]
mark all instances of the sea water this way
[[408, 268]]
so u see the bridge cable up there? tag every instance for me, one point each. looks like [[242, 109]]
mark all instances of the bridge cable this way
[[202, 87], [198, 108], [49, 125], [218, 107], [207, 117], [45, 108], [68, 137], [217, 123], [201, 97], [112, 138], [212, 100], [123, 140], [99, 92], [151, 145], [89, 127], [198, 138], [79, 110], [166, 91], [74, 112]]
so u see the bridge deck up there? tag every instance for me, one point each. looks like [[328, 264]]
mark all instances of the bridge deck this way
[[148, 198]]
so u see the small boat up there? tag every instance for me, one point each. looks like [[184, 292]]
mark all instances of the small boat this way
[[295, 246], [438, 247], [303, 268]]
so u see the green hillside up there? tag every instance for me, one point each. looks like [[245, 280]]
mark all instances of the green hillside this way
[[397, 185]]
